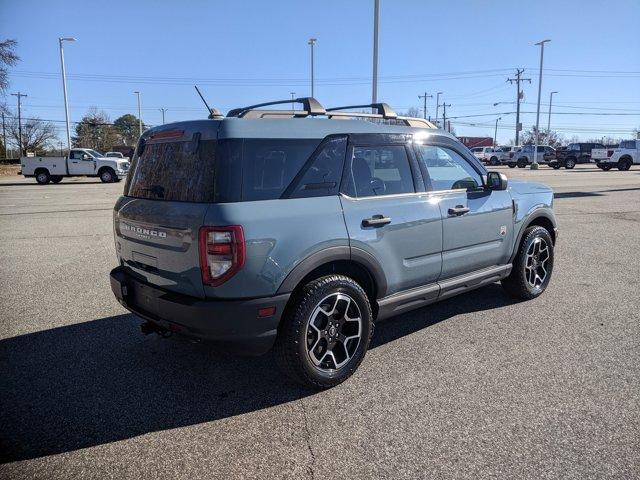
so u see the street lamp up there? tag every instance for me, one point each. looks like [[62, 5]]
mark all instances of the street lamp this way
[[312, 42], [139, 114], [495, 132], [549, 118], [534, 164], [64, 86]]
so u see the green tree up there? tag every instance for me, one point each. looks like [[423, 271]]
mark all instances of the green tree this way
[[96, 131], [127, 128]]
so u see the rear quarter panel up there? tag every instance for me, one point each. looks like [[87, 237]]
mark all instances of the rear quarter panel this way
[[279, 234]]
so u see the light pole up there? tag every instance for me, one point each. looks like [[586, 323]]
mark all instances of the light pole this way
[[549, 118], [312, 42], [424, 97], [293, 97], [20, 95], [534, 164], [437, 105], [64, 86], [163, 110], [495, 132], [139, 113], [374, 82]]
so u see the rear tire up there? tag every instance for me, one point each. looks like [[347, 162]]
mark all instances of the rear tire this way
[[56, 178], [606, 168], [570, 163], [43, 177], [556, 166], [494, 161], [522, 162], [320, 342], [107, 175], [512, 165], [533, 265]]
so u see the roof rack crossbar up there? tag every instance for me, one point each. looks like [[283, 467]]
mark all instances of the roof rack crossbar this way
[[382, 109], [310, 105]]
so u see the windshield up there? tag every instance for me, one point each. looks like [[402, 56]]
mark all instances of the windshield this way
[[94, 153]]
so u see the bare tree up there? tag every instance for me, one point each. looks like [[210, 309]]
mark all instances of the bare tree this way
[[8, 58], [36, 134], [551, 138], [95, 130]]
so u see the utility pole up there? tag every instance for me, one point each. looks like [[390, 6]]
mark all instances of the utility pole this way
[[20, 95], [64, 87], [424, 97], [437, 105], [534, 164], [139, 114], [376, 21], [60, 143], [293, 97], [312, 42], [519, 95], [4, 138], [444, 115], [549, 118], [163, 110], [495, 132]]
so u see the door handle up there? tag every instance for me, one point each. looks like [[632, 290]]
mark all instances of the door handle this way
[[376, 221], [458, 210]]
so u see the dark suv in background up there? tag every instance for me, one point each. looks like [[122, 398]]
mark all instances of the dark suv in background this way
[[573, 154], [298, 229]]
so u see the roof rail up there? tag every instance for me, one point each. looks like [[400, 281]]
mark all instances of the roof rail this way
[[310, 107], [382, 109]]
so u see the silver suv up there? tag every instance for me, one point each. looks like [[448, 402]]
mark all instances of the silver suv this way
[[298, 229]]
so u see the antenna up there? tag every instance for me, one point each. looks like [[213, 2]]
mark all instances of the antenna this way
[[213, 113]]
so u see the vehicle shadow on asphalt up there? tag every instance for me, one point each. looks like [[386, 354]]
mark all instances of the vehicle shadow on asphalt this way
[[102, 381]]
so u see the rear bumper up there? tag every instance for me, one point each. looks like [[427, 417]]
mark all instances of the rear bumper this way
[[233, 323]]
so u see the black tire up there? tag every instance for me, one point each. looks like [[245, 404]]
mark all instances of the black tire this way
[[624, 164], [512, 165], [606, 168], [494, 161], [522, 162], [569, 163], [43, 177], [107, 175], [518, 283], [56, 178], [297, 340], [556, 166]]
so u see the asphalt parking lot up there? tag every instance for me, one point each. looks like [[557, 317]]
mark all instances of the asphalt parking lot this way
[[478, 386]]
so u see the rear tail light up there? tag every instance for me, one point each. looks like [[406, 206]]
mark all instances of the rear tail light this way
[[609, 153], [222, 253]]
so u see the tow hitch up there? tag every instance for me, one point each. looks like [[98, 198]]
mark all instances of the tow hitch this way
[[150, 327]]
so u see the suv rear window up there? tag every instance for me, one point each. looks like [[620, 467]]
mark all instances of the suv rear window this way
[[175, 171]]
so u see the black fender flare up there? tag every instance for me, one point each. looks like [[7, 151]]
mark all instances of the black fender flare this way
[[333, 254], [540, 213]]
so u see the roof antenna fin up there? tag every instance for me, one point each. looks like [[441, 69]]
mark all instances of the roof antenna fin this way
[[213, 113]]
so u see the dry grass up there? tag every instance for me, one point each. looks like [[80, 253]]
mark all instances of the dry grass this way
[[9, 170]]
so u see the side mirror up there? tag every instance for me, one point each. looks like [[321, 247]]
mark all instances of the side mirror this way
[[496, 181]]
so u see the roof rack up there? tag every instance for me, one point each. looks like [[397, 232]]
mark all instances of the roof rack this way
[[310, 107], [382, 109]]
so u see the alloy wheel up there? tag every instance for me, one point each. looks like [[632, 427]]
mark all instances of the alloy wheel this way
[[536, 264], [334, 332]]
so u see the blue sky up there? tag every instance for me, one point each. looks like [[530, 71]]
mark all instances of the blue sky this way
[[243, 52]]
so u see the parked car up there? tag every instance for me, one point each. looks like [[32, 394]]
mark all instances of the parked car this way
[[627, 154], [484, 153], [267, 229], [80, 162], [115, 155], [506, 152], [573, 154], [524, 156]]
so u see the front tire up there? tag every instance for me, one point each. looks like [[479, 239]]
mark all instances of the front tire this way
[[494, 161], [624, 164], [569, 163], [606, 168], [522, 162], [107, 176], [325, 333], [533, 265]]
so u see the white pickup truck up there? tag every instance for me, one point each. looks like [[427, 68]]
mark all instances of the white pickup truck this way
[[627, 154], [80, 162]]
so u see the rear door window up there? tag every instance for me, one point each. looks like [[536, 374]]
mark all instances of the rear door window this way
[[174, 171], [269, 165]]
